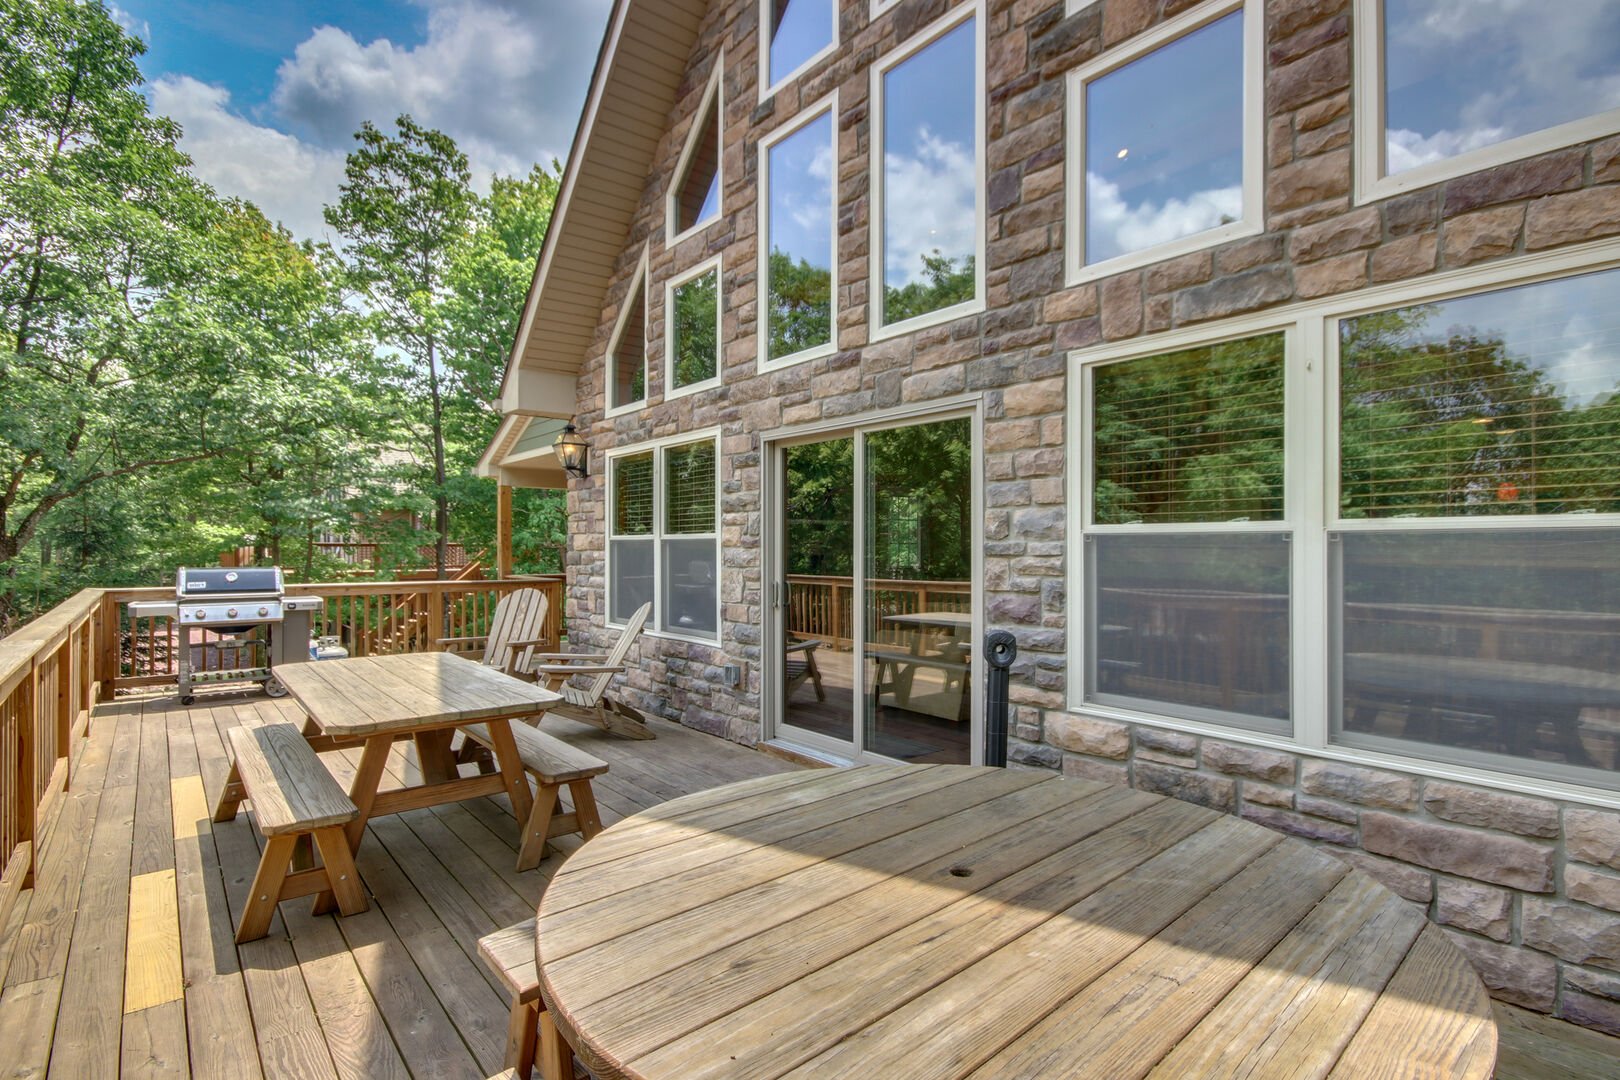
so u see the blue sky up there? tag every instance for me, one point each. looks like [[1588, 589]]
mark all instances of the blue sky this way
[[270, 94]]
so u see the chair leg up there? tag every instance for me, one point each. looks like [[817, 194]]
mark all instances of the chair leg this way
[[533, 848], [230, 796], [590, 822], [522, 1037], [340, 872], [556, 1056], [815, 674], [266, 891]]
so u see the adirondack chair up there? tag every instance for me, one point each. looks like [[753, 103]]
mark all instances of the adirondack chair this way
[[516, 628], [590, 703]]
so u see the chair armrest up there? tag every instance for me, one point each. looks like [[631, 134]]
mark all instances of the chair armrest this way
[[459, 640], [562, 658], [527, 643], [808, 645], [576, 669]]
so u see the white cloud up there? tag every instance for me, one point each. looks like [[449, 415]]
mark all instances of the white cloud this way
[[505, 78], [1409, 149], [286, 178], [130, 24], [1115, 227], [927, 205]]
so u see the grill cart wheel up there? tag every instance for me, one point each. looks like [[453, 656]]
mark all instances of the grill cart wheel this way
[[273, 687]]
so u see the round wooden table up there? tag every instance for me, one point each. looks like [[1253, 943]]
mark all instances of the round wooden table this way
[[926, 921]]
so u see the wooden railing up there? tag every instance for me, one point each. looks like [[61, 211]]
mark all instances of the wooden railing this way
[[365, 554], [51, 673], [367, 618], [823, 607]]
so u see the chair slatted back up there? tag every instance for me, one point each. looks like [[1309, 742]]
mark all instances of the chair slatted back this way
[[592, 693], [519, 616]]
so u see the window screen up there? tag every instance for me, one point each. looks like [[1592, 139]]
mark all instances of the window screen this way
[[689, 488], [633, 495], [1501, 403], [1190, 436]]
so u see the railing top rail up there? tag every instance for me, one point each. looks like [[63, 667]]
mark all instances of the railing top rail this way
[[880, 583], [49, 631], [355, 588]]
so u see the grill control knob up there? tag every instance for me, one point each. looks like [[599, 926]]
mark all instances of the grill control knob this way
[[201, 614], [264, 611], [230, 613]]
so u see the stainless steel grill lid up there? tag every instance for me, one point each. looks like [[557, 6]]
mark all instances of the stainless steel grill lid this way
[[222, 581]]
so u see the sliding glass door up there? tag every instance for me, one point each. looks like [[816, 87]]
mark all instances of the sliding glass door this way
[[873, 615]]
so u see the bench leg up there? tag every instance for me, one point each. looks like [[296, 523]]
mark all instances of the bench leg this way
[[230, 797], [556, 1057], [538, 828], [522, 1037], [590, 822], [266, 891], [340, 871]]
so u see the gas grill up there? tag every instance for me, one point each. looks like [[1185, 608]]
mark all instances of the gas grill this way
[[238, 612]]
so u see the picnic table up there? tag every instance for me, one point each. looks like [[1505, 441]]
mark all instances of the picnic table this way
[[942, 921], [374, 700]]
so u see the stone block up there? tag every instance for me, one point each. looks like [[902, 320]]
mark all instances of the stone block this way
[[1164, 757], [1590, 1012], [1086, 768], [1593, 836], [1236, 293], [1483, 234], [1319, 114], [1414, 213], [1285, 18], [1491, 809], [1215, 792], [1335, 236], [1268, 795], [1407, 882], [1592, 886], [1170, 742], [1339, 274], [1572, 218], [1606, 161], [1088, 735], [1300, 825], [1247, 254], [1483, 856], [1588, 981], [1517, 976], [1367, 787], [1581, 935], [1471, 906], [1545, 175], [1126, 18], [1121, 307], [1407, 257], [1250, 761], [1077, 303], [1328, 808], [1179, 273], [1309, 180], [1033, 398], [1036, 755], [1311, 77]]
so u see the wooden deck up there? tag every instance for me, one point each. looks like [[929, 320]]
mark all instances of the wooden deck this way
[[121, 960]]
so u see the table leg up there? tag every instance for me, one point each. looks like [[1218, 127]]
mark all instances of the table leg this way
[[506, 755], [363, 792], [433, 756]]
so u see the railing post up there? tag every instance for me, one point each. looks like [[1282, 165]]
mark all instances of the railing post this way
[[63, 706], [26, 797], [435, 616], [106, 647]]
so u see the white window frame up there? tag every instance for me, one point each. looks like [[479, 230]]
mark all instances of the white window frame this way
[[637, 281], [1312, 492], [658, 447], [1252, 223], [877, 329], [769, 82], [806, 116], [1367, 24], [671, 391], [713, 94]]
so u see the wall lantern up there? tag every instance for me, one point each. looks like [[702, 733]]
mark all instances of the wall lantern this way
[[572, 451]]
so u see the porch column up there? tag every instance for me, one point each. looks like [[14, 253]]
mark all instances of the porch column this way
[[503, 531]]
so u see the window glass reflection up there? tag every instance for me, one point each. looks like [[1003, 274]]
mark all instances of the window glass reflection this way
[[798, 312], [799, 30]]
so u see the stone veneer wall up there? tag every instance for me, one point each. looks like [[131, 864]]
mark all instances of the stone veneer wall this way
[[1522, 883]]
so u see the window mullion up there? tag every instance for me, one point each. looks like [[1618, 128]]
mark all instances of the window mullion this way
[[1309, 462]]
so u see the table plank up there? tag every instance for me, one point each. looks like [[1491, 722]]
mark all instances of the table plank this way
[[403, 692], [1294, 1013], [794, 1023]]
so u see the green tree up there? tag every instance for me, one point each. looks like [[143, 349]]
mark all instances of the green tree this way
[[799, 311], [943, 283], [406, 204]]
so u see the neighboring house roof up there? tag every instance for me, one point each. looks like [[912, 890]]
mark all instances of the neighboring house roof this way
[[640, 68]]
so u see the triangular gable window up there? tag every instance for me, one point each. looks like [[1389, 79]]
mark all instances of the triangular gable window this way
[[694, 198], [629, 351]]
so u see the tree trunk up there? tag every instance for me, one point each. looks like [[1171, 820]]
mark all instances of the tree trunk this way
[[441, 498]]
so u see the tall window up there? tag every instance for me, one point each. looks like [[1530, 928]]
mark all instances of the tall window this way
[[1443, 90], [1155, 170], [928, 227], [1476, 591], [692, 330], [664, 536], [694, 196], [794, 34], [798, 166], [627, 348], [1187, 548]]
